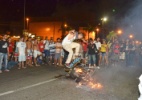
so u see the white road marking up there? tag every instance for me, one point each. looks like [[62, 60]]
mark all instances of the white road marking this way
[[27, 87]]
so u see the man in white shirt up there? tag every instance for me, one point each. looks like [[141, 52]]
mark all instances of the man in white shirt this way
[[98, 45], [22, 52], [68, 45], [46, 50]]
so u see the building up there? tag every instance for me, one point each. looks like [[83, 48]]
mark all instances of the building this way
[[46, 29]]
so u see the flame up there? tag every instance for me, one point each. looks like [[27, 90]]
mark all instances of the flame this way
[[95, 86], [78, 70]]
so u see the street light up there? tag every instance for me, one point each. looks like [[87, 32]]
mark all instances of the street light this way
[[119, 32], [104, 19], [27, 19], [131, 36], [97, 31], [65, 25]]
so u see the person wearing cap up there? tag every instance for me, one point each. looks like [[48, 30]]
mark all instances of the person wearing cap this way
[[69, 45]]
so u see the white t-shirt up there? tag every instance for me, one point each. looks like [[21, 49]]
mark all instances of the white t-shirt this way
[[67, 41], [46, 45], [98, 44], [21, 47]]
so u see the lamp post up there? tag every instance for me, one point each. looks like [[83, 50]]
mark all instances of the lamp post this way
[[27, 20], [97, 31], [104, 20]]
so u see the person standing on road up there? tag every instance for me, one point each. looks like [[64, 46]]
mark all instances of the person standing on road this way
[[36, 52], [11, 48], [132, 52], [4, 52], [103, 53], [21, 52], [58, 47], [46, 50], [29, 52], [92, 51], [98, 45]]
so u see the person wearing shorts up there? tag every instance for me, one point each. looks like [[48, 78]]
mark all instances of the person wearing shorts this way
[[58, 46], [29, 52], [36, 52], [21, 52], [103, 51]]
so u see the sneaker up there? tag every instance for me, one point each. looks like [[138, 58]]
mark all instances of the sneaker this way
[[67, 65], [7, 70], [98, 67], [0, 71]]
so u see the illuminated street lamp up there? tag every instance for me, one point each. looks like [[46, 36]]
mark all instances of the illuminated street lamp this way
[[119, 32], [27, 19], [104, 20], [131, 36], [65, 25], [97, 31]]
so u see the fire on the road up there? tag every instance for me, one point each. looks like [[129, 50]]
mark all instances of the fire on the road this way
[[88, 81]]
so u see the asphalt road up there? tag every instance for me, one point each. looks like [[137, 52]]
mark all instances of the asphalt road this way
[[38, 83]]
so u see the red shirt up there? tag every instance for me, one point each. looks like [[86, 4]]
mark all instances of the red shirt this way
[[41, 47], [84, 45], [11, 46]]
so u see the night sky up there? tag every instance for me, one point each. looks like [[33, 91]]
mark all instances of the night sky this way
[[12, 10]]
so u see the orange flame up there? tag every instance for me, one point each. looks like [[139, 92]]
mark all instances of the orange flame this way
[[78, 70]]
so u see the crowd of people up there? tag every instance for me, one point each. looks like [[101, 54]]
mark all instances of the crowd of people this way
[[29, 52]]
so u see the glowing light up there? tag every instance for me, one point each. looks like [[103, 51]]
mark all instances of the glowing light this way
[[119, 32], [65, 25], [78, 70], [97, 29], [131, 36], [27, 19], [137, 42], [104, 19], [47, 29], [33, 36]]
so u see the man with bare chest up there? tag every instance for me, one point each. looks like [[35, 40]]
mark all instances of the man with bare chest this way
[[36, 51], [29, 52]]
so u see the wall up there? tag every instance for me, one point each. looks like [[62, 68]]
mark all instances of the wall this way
[[43, 29]]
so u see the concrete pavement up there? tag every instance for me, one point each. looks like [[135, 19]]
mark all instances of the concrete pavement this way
[[38, 83]]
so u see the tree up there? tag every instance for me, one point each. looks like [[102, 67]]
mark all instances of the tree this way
[[89, 29], [64, 29], [111, 36]]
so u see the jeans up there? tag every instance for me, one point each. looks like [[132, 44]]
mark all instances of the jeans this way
[[131, 58], [69, 48], [3, 56], [92, 58], [127, 59]]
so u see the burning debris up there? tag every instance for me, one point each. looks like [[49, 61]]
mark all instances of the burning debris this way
[[85, 79]]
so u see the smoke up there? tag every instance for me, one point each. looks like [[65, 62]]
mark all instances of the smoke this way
[[132, 23]]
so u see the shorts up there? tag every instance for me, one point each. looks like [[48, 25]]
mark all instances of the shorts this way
[[21, 58], [47, 53], [29, 57], [15, 54], [29, 52], [103, 54], [36, 53], [57, 55]]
